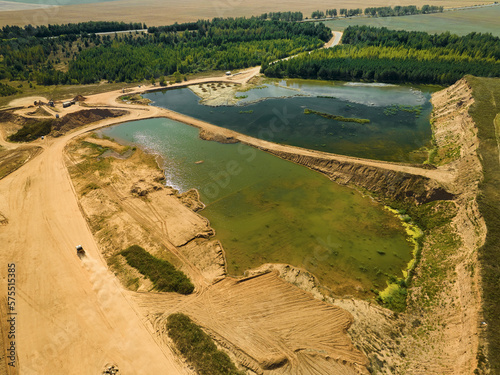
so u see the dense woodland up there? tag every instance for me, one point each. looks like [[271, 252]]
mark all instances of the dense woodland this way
[[76, 56], [187, 48], [379, 54], [10, 32]]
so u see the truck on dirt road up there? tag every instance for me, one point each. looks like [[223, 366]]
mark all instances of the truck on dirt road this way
[[79, 250]]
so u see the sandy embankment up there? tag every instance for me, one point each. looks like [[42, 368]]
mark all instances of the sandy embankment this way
[[252, 319], [233, 332], [457, 339]]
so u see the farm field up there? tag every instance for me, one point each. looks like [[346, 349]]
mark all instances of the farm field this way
[[59, 2], [156, 13], [17, 6], [460, 22]]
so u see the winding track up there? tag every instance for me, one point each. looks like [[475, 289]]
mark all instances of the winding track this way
[[73, 316]]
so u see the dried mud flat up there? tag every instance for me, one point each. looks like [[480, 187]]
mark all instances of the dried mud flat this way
[[265, 323]]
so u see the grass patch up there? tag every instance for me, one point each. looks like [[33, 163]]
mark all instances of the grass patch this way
[[444, 155], [89, 187], [437, 242], [31, 131], [163, 274], [484, 111], [198, 348], [7, 90], [94, 163], [429, 215], [135, 99], [308, 111]]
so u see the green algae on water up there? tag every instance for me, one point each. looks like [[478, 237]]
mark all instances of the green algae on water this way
[[308, 111], [268, 210]]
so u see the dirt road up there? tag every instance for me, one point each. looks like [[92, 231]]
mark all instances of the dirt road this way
[[337, 36], [72, 315]]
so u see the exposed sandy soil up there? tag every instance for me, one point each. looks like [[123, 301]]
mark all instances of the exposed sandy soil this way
[[270, 325], [256, 320], [167, 12], [456, 318], [25, 102], [78, 309], [217, 94], [73, 309], [73, 315], [10, 160]]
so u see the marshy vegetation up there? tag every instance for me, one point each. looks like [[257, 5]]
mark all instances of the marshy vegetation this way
[[395, 108]]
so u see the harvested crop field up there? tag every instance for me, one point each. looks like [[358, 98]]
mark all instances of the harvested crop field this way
[[6, 6], [154, 12]]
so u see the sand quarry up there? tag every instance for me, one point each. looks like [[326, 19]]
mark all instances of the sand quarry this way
[[76, 316]]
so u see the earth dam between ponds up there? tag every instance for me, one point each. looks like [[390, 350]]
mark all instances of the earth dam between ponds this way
[[384, 122], [268, 210]]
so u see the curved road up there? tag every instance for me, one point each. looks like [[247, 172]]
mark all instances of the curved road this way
[[73, 317], [337, 36]]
